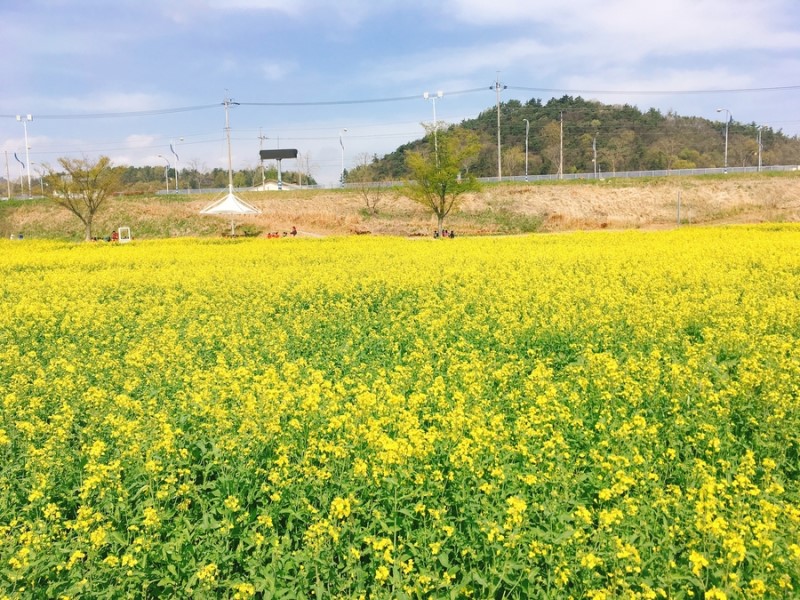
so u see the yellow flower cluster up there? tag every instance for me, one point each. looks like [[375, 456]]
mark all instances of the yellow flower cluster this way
[[606, 415]]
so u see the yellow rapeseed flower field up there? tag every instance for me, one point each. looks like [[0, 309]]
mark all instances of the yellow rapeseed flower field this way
[[604, 415]]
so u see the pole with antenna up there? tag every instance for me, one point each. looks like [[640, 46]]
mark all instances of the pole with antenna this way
[[561, 149], [261, 138], [497, 88], [228, 102]]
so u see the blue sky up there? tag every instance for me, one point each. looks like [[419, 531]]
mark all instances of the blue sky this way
[[105, 77]]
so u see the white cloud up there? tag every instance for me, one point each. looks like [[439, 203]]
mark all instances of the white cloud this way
[[630, 29], [347, 12], [661, 80], [437, 64], [187, 11], [274, 71], [140, 140], [111, 102]]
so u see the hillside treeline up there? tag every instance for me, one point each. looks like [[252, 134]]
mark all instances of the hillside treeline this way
[[148, 179], [622, 137]]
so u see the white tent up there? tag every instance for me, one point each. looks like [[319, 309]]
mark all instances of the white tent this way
[[229, 204]]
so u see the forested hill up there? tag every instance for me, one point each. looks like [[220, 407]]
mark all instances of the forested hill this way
[[623, 137]]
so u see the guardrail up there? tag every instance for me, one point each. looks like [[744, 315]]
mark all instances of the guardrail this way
[[531, 178], [651, 173]]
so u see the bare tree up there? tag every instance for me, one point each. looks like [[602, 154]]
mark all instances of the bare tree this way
[[363, 176], [304, 167], [551, 134], [514, 160], [83, 187]]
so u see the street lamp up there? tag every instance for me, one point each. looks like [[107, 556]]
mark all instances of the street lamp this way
[[172, 148], [166, 170], [594, 150], [527, 131], [727, 121], [427, 96], [24, 120], [341, 143]]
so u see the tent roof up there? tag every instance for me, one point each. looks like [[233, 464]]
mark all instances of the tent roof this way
[[230, 204]]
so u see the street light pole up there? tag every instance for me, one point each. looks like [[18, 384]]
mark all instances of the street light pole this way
[[594, 150], [24, 120], [427, 96], [341, 143], [727, 122], [166, 170], [527, 131], [177, 160]]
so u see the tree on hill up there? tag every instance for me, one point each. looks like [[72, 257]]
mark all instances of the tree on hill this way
[[627, 139], [439, 178], [82, 187]]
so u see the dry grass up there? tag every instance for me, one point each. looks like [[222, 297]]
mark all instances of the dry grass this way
[[506, 208]]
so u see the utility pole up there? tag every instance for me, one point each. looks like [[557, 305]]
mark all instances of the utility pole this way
[[166, 172], [24, 120], [760, 127], [497, 87], [227, 103], [527, 131], [261, 139], [341, 143], [727, 123], [561, 150]]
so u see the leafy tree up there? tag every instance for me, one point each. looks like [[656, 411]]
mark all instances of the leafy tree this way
[[83, 186], [438, 179]]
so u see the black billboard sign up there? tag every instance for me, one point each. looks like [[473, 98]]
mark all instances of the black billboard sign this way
[[279, 154]]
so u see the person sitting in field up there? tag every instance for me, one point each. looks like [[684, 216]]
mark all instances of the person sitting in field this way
[[452, 234], [114, 236], [294, 230]]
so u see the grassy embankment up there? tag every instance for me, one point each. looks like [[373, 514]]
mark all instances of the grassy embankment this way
[[507, 208]]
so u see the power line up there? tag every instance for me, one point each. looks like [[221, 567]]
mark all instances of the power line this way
[[166, 111], [357, 101], [658, 92], [135, 113]]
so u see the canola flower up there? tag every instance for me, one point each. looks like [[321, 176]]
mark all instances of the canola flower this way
[[606, 415]]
